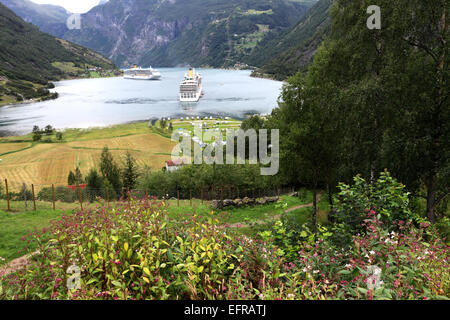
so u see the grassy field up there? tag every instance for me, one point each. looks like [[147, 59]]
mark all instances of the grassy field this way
[[49, 162], [15, 226], [21, 223], [205, 126]]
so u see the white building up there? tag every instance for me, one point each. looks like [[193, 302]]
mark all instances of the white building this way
[[173, 165]]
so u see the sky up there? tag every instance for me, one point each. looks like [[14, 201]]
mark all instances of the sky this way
[[74, 6]]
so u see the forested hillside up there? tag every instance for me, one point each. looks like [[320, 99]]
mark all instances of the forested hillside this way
[[29, 59], [282, 54], [49, 18]]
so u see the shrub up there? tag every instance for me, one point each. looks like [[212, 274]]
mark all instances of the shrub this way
[[62, 194], [386, 196]]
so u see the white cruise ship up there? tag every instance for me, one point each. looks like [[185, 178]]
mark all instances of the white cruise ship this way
[[191, 87], [138, 73]]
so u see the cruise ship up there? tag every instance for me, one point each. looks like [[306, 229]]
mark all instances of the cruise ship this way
[[191, 87], [138, 73]]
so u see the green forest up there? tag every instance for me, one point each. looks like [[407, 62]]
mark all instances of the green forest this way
[[281, 53], [373, 100]]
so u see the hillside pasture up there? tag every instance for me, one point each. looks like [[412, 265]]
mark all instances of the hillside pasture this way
[[43, 164]]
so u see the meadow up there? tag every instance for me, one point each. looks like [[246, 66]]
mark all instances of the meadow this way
[[145, 249], [21, 222], [49, 161]]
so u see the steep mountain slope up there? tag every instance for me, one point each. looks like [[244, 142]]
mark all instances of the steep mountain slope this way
[[49, 18], [216, 33], [29, 59], [282, 55]]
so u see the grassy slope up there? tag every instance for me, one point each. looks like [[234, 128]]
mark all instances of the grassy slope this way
[[18, 224], [45, 163]]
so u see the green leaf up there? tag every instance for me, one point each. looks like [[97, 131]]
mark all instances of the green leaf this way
[[344, 272]]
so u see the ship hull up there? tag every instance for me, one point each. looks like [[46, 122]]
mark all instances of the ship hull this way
[[151, 77], [191, 87], [142, 74], [193, 98]]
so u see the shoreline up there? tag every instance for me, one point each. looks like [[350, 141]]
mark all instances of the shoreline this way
[[105, 127], [22, 131], [40, 99]]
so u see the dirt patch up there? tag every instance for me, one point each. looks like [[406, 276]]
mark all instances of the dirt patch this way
[[17, 264]]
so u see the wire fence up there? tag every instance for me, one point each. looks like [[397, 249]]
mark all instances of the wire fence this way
[[57, 197]]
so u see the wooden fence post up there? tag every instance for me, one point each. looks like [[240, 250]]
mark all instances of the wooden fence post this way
[[7, 194], [178, 197], [34, 197], [80, 197], [24, 188], [53, 196]]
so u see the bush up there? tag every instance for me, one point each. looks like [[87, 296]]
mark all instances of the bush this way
[[62, 194], [386, 196], [195, 178]]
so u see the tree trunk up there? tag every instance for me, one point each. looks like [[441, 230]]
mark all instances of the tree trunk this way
[[431, 199], [330, 197], [314, 214]]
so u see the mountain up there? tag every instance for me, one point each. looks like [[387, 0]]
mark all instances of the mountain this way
[[49, 18], [281, 55], [29, 59], [217, 33]]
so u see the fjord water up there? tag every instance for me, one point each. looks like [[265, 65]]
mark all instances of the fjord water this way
[[101, 102]]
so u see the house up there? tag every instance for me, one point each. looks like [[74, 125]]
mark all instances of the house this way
[[173, 165]]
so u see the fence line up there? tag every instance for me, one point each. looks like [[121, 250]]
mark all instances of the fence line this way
[[67, 197]]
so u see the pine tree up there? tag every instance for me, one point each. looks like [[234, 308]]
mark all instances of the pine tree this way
[[110, 171], [71, 179], [129, 172], [95, 185], [78, 176]]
